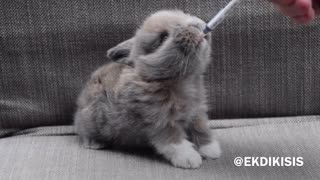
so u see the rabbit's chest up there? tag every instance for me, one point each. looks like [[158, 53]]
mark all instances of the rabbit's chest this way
[[183, 105]]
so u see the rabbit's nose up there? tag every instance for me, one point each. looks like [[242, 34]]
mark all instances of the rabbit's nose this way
[[188, 37], [195, 34]]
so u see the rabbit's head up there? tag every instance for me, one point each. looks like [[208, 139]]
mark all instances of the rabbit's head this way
[[169, 39]]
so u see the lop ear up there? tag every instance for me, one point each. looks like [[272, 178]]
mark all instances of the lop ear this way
[[120, 53]]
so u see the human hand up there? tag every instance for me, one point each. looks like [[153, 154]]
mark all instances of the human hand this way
[[302, 11]]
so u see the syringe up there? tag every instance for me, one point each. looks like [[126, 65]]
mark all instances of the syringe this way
[[222, 14]]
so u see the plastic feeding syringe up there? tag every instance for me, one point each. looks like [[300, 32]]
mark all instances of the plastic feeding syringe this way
[[222, 14]]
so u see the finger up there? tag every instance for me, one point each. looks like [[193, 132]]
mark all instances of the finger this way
[[300, 7], [305, 18], [301, 19]]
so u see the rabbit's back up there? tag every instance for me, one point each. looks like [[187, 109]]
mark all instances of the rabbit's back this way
[[96, 103]]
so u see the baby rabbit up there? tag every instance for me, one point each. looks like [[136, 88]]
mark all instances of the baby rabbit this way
[[153, 94]]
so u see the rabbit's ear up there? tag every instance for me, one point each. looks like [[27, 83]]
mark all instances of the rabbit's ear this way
[[120, 53]]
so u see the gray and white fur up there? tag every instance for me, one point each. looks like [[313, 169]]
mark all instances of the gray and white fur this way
[[153, 93]]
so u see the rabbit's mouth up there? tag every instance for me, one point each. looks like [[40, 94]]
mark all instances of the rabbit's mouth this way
[[188, 38]]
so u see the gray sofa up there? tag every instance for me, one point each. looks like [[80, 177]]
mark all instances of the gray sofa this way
[[263, 89]]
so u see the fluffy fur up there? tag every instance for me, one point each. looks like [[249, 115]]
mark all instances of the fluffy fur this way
[[153, 94]]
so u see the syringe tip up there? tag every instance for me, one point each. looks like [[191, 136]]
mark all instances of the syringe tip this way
[[207, 30]]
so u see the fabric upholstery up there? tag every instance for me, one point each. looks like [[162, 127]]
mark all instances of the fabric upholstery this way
[[47, 153], [262, 64]]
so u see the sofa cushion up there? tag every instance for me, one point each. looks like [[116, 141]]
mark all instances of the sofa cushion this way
[[55, 153], [262, 64]]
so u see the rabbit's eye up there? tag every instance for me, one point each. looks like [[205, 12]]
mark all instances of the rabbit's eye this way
[[156, 43], [163, 37]]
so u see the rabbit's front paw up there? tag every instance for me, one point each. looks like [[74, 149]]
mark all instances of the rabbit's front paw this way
[[188, 158], [211, 150], [181, 154]]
